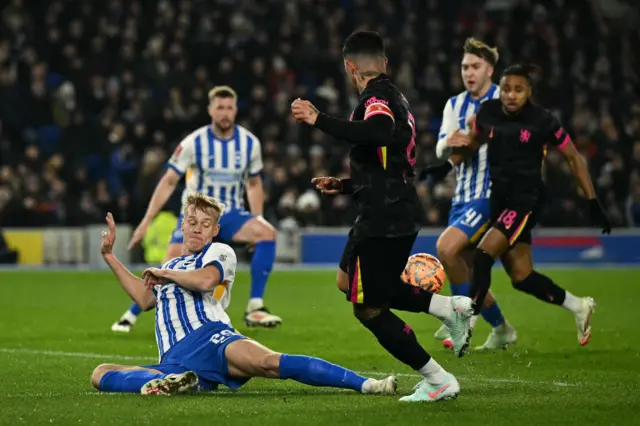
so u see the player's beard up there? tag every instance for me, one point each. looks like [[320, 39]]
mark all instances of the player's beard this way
[[224, 126]]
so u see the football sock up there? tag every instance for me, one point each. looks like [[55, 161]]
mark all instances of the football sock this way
[[541, 287], [460, 289], [482, 264], [432, 372], [491, 314], [407, 297], [127, 381], [261, 264], [572, 303], [135, 310], [318, 372], [397, 338], [440, 306]]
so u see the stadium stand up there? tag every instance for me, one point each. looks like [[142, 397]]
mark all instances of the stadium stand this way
[[95, 95]]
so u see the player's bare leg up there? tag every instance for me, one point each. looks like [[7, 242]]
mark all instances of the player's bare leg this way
[[147, 381], [248, 358], [457, 259], [130, 316], [262, 234], [518, 263]]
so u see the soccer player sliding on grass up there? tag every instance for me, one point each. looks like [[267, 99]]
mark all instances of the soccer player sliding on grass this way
[[517, 132], [198, 347]]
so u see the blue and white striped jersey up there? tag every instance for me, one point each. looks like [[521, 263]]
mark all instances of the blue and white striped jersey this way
[[473, 181], [218, 167], [180, 311]]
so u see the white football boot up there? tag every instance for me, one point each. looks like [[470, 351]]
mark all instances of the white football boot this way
[[173, 384], [125, 323], [386, 386], [583, 320], [459, 323], [499, 338], [431, 392], [261, 318]]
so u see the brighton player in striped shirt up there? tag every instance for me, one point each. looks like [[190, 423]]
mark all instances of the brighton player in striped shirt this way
[[470, 209], [219, 160], [199, 349]]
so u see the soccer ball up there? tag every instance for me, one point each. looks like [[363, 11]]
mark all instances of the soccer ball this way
[[425, 271]]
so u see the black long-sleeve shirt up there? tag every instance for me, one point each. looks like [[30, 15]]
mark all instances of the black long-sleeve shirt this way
[[382, 134]]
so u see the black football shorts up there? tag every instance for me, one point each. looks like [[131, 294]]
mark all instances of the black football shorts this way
[[374, 266]]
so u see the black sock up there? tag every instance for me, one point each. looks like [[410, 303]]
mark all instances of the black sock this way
[[410, 298], [398, 339], [482, 264], [541, 287]]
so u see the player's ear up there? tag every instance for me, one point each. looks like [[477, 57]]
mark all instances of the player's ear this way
[[491, 71]]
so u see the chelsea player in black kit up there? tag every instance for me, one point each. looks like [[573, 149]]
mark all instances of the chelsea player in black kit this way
[[381, 133], [518, 132]]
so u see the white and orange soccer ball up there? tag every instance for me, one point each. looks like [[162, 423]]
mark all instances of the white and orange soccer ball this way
[[425, 271]]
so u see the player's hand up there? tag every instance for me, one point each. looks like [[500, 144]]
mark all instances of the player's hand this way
[[598, 217], [437, 173], [458, 140], [328, 185], [304, 111], [153, 277], [138, 234], [108, 237], [471, 121]]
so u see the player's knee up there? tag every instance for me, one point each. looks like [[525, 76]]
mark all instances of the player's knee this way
[[366, 313], [519, 272], [264, 231], [446, 250], [98, 373]]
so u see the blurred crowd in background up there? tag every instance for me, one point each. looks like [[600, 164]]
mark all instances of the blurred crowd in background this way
[[94, 96]]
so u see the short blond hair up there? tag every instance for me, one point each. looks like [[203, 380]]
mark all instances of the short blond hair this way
[[202, 202], [222, 92], [482, 50]]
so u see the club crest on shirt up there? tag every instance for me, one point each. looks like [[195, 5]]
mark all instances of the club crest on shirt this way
[[222, 257], [525, 135]]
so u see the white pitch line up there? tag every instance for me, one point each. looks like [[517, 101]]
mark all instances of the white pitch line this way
[[363, 373]]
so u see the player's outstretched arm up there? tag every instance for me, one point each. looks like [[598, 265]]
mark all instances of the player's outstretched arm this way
[[578, 167], [255, 195], [376, 129], [161, 194], [134, 286]]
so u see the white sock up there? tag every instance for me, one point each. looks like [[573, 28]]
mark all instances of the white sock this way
[[129, 316], [440, 306], [433, 372], [572, 303], [255, 303]]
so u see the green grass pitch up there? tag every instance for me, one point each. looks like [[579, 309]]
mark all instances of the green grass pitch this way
[[55, 328]]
